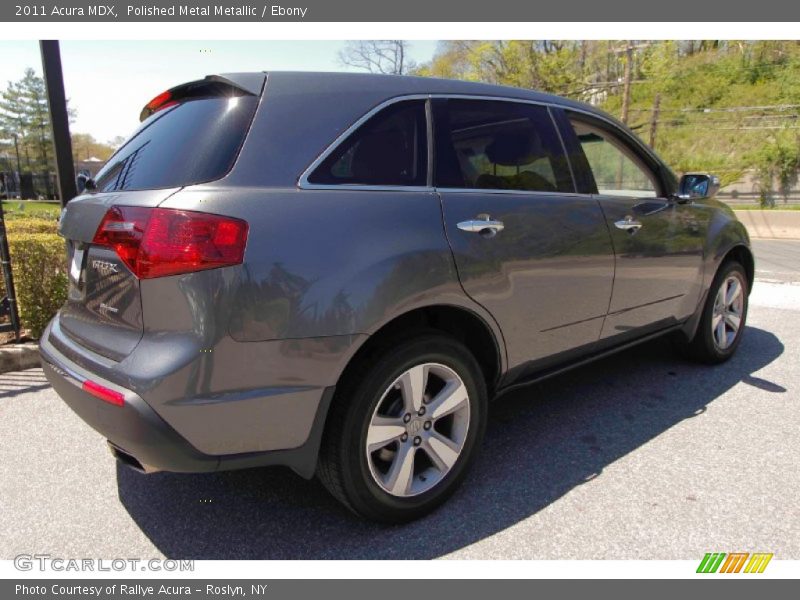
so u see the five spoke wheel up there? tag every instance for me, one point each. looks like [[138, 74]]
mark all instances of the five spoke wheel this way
[[727, 314], [418, 429]]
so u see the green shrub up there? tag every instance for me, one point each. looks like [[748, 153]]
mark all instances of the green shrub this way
[[31, 225], [38, 260]]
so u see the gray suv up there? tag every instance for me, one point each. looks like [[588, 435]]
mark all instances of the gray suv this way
[[336, 272]]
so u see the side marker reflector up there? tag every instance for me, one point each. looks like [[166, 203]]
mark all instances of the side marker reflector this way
[[102, 392]]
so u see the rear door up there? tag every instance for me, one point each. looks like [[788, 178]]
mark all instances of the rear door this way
[[529, 249], [658, 242], [193, 136]]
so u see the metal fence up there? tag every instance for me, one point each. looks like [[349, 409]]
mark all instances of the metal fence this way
[[28, 185], [9, 315]]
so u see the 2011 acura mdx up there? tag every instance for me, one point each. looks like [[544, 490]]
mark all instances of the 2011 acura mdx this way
[[336, 272]]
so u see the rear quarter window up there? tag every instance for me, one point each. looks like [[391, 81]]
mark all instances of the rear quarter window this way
[[389, 149], [193, 142]]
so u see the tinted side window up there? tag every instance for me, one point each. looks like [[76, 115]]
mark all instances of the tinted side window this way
[[389, 149], [196, 141], [498, 145], [616, 169]]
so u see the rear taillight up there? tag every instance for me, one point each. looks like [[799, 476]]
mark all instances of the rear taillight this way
[[156, 242]]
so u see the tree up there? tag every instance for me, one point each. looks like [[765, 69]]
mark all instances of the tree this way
[[569, 68], [84, 146], [377, 56], [24, 112], [777, 164], [25, 125], [116, 142]]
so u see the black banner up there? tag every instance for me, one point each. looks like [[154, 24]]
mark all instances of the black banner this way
[[163, 589], [686, 11]]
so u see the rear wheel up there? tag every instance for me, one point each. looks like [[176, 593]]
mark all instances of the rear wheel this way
[[403, 431], [724, 315]]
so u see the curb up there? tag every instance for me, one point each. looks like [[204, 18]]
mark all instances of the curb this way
[[17, 357]]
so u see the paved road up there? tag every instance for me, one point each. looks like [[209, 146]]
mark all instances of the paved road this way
[[642, 455], [777, 260]]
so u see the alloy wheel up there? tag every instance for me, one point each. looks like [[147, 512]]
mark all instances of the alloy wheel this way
[[726, 318], [418, 430]]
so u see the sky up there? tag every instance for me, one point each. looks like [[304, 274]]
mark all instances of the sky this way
[[108, 82]]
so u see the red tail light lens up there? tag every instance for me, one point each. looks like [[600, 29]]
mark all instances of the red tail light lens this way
[[156, 242]]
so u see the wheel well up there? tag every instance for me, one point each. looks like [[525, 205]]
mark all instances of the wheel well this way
[[459, 323], [744, 257]]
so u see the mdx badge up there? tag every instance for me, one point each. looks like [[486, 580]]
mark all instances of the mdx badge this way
[[105, 267]]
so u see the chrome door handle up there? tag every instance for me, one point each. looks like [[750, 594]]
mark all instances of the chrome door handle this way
[[628, 224], [484, 223]]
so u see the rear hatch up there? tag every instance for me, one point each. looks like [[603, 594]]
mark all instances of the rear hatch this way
[[189, 134]]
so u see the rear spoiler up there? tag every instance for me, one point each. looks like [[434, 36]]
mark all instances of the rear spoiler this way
[[233, 84]]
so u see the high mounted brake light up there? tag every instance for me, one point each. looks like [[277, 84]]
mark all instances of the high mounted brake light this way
[[213, 86], [159, 101], [157, 242]]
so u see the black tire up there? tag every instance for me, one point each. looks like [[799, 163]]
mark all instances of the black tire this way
[[343, 463], [703, 347]]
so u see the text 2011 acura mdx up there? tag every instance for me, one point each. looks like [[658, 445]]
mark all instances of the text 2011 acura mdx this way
[[335, 272]]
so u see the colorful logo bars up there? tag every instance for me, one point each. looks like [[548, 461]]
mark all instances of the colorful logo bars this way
[[734, 562]]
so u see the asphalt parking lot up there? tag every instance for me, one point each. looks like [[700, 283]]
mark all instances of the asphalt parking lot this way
[[639, 456]]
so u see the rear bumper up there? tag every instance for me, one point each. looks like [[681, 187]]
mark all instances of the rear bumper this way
[[133, 429], [140, 438]]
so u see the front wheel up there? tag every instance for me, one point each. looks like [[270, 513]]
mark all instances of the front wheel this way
[[724, 315], [403, 431]]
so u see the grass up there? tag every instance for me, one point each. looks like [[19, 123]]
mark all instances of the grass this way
[[31, 208]]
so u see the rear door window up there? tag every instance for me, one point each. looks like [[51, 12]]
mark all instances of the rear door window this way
[[391, 149], [499, 145], [196, 141]]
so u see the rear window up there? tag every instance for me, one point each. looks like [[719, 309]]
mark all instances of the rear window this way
[[193, 142]]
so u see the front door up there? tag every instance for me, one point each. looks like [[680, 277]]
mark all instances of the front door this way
[[658, 242], [529, 249]]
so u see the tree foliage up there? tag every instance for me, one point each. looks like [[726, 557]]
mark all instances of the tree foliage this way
[[24, 114], [728, 107], [84, 146]]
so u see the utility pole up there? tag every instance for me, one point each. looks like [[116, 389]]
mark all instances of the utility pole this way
[[654, 120], [59, 119], [626, 90]]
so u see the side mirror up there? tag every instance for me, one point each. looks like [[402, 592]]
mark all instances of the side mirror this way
[[697, 186]]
